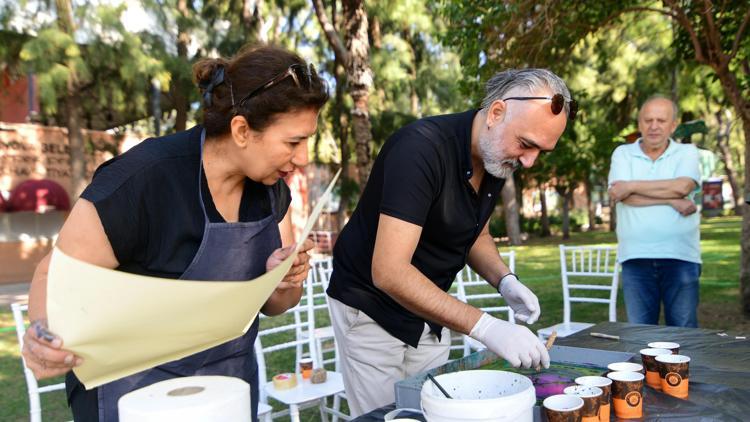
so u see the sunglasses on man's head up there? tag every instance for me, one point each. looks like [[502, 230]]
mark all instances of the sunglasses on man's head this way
[[300, 74], [557, 104]]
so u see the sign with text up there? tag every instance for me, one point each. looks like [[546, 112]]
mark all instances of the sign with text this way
[[42, 152]]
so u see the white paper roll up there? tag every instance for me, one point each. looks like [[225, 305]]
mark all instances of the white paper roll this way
[[188, 399]]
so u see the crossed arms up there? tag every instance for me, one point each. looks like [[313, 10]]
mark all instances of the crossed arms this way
[[643, 193]]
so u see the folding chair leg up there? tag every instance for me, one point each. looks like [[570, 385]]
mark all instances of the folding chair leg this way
[[322, 408], [336, 407], [294, 413]]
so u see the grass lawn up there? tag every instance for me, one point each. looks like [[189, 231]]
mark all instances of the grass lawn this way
[[537, 263]]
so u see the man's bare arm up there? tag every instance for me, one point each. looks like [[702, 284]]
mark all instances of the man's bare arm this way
[[393, 273], [637, 200], [683, 206], [676, 188]]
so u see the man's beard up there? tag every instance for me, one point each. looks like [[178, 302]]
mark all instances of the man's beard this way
[[494, 163]]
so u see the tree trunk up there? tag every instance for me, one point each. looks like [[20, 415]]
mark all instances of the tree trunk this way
[[79, 178], [742, 106], [745, 241], [566, 193], [567, 200], [724, 120], [341, 129], [355, 54], [156, 105], [359, 75], [252, 19], [545, 215], [413, 95], [72, 101], [180, 86], [510, 210], [414, 98], [589, 188]]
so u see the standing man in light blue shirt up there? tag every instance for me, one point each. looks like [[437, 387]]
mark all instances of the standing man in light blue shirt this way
[[652, 181]]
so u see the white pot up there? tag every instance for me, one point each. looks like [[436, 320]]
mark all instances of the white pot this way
[[479, 396]]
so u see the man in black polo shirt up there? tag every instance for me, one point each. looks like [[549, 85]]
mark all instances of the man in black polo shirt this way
[[422, 216]]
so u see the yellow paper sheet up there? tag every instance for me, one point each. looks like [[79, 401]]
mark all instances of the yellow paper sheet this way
[[122, 323]]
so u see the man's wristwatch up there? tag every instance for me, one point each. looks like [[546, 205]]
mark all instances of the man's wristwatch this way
[[500, 282]]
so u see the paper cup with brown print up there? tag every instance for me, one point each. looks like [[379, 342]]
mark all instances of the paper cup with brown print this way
[[563, 408], [674, 374], [674, 347], [648, 356], [627, 394], [605, 384], [625, 367], [591, 401]]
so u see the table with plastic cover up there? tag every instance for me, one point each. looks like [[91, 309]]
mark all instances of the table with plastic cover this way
[[719, 371]]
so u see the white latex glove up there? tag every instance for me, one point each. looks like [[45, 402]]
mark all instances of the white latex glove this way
[[514, 343], [523, 301]]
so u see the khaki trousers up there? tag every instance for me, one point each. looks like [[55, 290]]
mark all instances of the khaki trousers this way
[[372, 361]]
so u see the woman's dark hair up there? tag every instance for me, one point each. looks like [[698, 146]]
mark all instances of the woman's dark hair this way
[[225, 82]]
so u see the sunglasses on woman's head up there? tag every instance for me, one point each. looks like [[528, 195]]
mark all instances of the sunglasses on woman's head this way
[[557, 104], [300, 74]]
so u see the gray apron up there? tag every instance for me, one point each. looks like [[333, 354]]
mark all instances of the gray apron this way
[[232, 252]]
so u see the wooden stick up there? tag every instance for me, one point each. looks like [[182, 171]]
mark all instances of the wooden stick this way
[[551, 340], [548, 345], [607, 336]]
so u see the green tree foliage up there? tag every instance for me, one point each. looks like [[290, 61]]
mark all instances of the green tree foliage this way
[[518, 33], [112, 68], [491, 34], [415, 75]]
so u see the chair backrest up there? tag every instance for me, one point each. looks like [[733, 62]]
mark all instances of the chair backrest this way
[[592, 263], [322, 267], [474, 290], [327, 348], [319, 275], [35, 406]]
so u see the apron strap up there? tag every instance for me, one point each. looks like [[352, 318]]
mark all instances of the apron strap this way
[[200, 176]]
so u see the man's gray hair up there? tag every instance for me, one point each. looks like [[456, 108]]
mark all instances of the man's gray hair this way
[[675, 109], [530, 80]]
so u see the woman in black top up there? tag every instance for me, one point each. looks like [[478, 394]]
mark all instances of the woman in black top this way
[[209, 203]]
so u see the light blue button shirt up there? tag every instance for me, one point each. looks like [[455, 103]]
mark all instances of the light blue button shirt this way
[[656, 231]]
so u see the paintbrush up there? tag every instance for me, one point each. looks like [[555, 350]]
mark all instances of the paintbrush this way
[[607, 336], [442, 390], [548, 345]]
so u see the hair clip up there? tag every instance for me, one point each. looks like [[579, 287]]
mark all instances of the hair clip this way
[[217, 78]]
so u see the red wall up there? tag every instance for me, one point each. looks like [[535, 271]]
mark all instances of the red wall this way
[[14, 95]]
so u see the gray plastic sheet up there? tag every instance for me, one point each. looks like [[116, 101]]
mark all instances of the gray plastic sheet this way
[[714, 359], [719, 371]]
